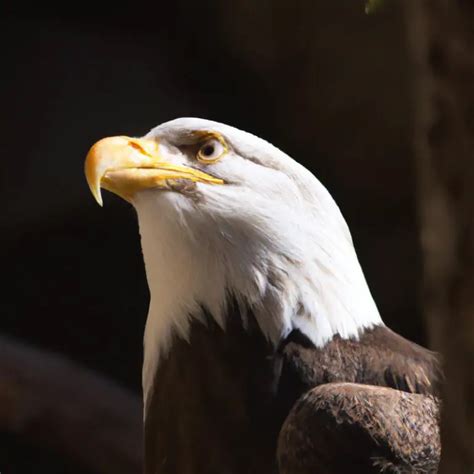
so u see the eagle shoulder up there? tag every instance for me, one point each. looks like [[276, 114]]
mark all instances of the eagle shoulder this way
[[378, 357]]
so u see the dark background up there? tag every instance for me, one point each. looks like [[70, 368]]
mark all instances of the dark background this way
[[322, 80]]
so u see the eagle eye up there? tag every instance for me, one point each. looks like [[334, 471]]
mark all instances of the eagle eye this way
[[211, 150]]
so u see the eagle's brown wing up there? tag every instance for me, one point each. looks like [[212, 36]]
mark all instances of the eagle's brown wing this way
[[378, 356], [353, 428]]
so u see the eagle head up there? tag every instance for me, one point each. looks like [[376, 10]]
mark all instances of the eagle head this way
[[224, 214]]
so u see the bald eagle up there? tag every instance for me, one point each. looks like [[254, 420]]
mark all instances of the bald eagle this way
[[264, 350]]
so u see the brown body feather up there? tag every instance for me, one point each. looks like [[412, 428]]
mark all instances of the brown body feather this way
[[379, 357], [219, 401], [351, 428]]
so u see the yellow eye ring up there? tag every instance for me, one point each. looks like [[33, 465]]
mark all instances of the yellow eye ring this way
[[212, 150]]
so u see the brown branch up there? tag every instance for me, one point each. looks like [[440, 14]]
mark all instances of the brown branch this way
[[71, 409]]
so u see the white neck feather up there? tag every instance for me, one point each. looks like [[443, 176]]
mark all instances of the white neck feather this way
[[193, 261]]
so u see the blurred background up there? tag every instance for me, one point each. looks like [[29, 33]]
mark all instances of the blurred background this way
[[321, 80]]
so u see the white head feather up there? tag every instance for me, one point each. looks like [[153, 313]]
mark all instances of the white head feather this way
[[272, 236]]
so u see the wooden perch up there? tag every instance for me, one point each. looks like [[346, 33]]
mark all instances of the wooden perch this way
[[53, 401]]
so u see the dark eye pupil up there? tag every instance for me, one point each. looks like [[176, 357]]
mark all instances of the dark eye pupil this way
[[208, 150]]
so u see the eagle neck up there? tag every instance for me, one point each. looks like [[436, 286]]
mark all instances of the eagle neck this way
[[190, 265]]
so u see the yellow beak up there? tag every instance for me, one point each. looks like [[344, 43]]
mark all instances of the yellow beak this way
[[126, 165]]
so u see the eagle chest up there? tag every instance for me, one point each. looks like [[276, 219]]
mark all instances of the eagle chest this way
[[213, 406]]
